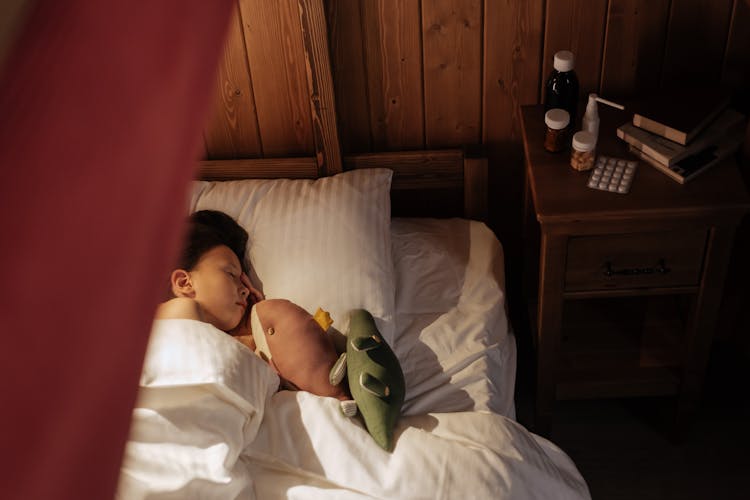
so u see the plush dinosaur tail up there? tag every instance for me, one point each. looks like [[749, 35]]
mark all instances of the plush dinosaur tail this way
[[375, 377]]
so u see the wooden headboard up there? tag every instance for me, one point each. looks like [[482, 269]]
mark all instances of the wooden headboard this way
[[440, 183]]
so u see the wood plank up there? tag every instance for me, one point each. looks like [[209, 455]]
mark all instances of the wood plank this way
[[452, 54], [736, 67], [549, 322], [349, 76], [512, 44], [393, 63], [578, 26], [633, 47], [232, 127], [415, 169], [427, 183], [512, 57], [440, 169], [475, 188], [320, 86], [631, 292], [260, 168], [696, 41], [277, 64]]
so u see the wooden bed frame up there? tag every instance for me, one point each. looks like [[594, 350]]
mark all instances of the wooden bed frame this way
[[440, 183]]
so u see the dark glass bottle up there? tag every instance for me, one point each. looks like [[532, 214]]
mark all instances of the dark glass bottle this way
[[561, 88]]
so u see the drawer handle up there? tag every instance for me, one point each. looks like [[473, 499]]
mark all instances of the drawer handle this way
[[660, 268]]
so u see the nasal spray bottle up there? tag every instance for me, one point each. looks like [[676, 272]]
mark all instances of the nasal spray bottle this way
[[584, 142], [591, 118]]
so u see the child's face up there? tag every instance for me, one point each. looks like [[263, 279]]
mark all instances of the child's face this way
[[219, 287]]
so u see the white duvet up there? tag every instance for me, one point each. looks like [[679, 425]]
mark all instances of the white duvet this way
[[210, 424], [453, 337]]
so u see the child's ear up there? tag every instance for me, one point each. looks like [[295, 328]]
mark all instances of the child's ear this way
[[181, 284]]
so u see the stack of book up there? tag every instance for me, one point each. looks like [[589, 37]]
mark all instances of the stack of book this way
[[685, 133]]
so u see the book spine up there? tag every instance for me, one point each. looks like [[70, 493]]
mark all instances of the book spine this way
[[659, 129], [695, 164], [656, 164], [729, 124], [653, 149]]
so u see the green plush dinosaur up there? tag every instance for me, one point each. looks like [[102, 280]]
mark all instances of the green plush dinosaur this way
[[376, 381]]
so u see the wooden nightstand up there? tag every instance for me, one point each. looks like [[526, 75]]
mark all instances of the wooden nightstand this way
[[629, 285]]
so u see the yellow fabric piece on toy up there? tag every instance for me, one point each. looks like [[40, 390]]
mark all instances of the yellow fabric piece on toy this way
[[323, 318]]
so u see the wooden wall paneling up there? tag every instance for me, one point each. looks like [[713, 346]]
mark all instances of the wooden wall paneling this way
[[273, 37], [736, 68], [425, 183], [349, 75], [511, 49], [320, 86], [259, 168], [442, 168], [475, 188], [452, 54], [393, 64], [633, 47], [696, 41], [578, 26], [232, 128], [511, 74]]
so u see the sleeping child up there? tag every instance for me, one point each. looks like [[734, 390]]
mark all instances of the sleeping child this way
[[211, 285]]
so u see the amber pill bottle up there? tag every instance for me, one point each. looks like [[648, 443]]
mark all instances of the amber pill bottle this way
[[555, 137]]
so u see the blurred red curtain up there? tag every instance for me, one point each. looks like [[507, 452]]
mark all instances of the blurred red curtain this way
[[101, 109]]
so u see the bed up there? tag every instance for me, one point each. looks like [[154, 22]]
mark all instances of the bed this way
[[209, 422]]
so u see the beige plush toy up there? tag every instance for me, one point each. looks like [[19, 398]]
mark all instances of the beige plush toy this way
[[298, 347]]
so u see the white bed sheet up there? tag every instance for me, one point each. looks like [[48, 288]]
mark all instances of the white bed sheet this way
[[454, 341], [209, 424]]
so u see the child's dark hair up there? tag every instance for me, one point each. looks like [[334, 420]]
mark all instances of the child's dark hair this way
[[208, 229]]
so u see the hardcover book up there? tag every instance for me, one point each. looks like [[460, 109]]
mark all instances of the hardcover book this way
[[667, 152], [680, 115], [691, 166]]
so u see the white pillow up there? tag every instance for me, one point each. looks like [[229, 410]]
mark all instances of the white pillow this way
[[319, 243]]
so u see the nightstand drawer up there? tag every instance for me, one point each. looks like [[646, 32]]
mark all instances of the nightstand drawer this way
[[637, 260]]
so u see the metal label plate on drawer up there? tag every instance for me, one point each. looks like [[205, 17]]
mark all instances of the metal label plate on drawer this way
[[635, 260]]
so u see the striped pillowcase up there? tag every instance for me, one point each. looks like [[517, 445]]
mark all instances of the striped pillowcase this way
[[319, 243]]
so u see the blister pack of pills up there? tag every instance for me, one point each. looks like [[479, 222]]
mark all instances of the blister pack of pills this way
[[612, 174]]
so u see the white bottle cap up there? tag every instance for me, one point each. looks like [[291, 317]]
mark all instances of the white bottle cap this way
[[564, 60], [584, 141], [557, 118]]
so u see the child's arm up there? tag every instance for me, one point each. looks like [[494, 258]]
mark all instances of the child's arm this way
[[179, 308]]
